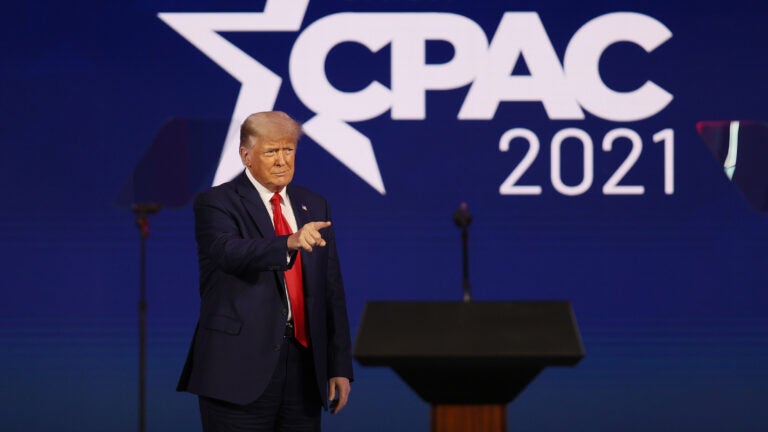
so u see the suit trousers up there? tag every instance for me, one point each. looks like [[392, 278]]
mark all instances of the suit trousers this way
[[290, 402]]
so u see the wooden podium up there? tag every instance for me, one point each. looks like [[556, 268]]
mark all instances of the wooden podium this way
[[468, 359]]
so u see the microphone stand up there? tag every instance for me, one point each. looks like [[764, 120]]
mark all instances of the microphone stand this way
[[462, 218], [142, 211]]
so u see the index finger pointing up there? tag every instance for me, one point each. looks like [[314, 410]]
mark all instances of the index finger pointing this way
[[320, 225]]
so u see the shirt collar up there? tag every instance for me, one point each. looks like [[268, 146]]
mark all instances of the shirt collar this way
[[265, 193]]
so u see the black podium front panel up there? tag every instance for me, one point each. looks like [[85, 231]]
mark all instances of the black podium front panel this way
[[468, 353]]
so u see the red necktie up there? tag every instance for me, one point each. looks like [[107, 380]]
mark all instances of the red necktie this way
[[293, 278]]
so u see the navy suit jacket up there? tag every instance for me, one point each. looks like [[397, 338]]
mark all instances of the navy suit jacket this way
[[243, 309]]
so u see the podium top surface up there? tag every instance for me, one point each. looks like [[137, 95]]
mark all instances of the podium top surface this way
[[525, 332]]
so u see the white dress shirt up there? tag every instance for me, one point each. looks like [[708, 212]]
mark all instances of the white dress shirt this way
[[286, 209]]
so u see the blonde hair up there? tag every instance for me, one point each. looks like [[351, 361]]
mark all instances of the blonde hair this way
[[271, 125]]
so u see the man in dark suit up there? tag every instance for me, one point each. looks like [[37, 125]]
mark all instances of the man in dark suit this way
[[272, 342]]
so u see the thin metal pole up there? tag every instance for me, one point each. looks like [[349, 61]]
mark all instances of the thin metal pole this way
[[462, 218], [465, 254], [142, 222], [144, 227]]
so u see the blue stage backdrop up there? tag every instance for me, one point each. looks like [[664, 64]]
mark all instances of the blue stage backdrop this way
[[569, 129]]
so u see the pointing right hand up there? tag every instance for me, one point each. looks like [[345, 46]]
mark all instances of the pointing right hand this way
[[308, 236]]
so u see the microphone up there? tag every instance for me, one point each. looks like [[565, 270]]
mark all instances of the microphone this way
[[462, 218]]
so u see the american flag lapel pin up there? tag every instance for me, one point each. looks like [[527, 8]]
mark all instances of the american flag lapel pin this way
[[303, 207]]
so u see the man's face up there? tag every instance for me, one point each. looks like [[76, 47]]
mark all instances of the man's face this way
[[270, 162]]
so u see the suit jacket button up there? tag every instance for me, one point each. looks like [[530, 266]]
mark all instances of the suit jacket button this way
[[285, 312], [276, 347]]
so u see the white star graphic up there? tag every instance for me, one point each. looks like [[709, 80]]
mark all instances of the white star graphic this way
[[260, 86]]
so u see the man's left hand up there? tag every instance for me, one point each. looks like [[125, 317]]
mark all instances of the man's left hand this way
[[338, 393]]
